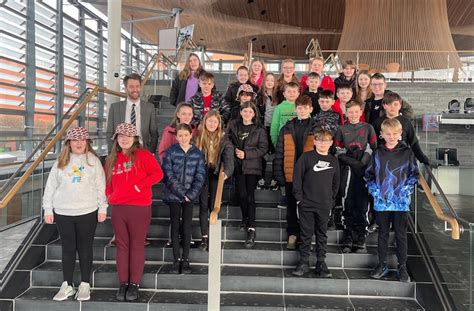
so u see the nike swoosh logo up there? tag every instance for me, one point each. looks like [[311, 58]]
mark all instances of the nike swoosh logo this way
[[319, 169]]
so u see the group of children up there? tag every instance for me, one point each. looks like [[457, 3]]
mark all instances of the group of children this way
[[324, 152]]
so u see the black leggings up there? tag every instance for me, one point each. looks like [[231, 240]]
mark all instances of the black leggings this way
[[207, 199], [77, 234], [246, 185], [181, 217]]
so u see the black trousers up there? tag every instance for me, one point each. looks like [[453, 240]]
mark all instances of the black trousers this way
[[207, 199], [181, 215], [246, 185], [400, 224], [292, 226], [77, 235], [355, 204], [313, 221]]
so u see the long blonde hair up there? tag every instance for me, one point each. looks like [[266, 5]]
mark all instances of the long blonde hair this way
[[65, 155], [185, 74], [209, 142], [112, 157]]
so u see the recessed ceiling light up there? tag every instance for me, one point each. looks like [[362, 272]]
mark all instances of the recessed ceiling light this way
[[249, 1], [283, 46], [263, 12], [263, 47], [254, 39]]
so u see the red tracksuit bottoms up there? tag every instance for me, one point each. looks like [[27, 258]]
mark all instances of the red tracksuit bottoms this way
[[130, 225]]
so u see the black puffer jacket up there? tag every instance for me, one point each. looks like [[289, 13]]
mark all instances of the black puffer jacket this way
[[255, 147], [178, 91], [231, 97], [352, 82]]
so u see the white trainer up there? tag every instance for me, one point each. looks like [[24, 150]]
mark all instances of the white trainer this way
[[83, 292], [65, 292]]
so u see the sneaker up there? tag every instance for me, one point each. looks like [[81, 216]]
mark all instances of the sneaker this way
[[147, 242], [112, 241], [204, 244], [380, 271], [83, 292], [347, 244], [331, 222], [274, 185], [322, 270], [168, 243], [185, 268], [291, 245], [121, 292], [403, 274], [301, 269], [283, 202], [175, 267], [243, 226], [250, 242], [372, 228], [261, 184], [65, 291], [132, 292], [360, 247]]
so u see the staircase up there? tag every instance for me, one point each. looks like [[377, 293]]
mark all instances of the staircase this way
[[255, 279]]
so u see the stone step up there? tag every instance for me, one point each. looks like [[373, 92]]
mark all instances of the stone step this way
[[345, 281], [40, 299]]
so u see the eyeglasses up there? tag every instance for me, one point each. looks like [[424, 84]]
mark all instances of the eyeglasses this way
[[288, 67]]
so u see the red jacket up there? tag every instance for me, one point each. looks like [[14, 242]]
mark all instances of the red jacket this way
[[168, 139], [336, 107], [143, 172], [326, 84]]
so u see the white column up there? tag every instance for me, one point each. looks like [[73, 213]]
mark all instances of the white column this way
[[114, 16]]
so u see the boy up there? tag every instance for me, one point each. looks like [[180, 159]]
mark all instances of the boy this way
[[391, 177], [326, 117], [373, 106], [207, 98], [285, 111], [392, 103], [312, 91], [358, 140], [347, 76], [344, 95], [315, 186], [231, 94], [295, 138]]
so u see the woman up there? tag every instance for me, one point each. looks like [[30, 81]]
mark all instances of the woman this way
[[186, 84]]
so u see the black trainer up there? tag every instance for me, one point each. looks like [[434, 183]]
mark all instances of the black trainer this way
[[359, 246], [380, 271], [301, 269], [322, 270], [250, 242], [403, 274], [121, 292], [204, 246], [175, 267], [243, 225], [185, 268], [347, 243], [132, 292]]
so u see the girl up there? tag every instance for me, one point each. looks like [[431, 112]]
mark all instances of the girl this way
[[348, 75], [182, 114], [258, 72], [287, 75], [216, 149], [185, 85], [231, 96], [363, 91], [317, 65], [250, 144], [184, 176], [131, 171], [77, 173]]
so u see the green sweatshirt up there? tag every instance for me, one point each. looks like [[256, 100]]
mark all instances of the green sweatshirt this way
[[284, 112]]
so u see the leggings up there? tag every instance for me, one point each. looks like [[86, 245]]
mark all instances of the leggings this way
[[246, 185], [181, 218], [77, 235], [130, 223]]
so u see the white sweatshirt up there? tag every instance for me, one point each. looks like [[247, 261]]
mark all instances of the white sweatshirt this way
[[77, 189]]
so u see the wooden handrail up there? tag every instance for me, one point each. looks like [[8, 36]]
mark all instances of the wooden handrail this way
[[21, 181], [455, 230], [218, 200]]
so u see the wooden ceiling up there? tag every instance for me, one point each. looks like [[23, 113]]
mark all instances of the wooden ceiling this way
[[280, 28]]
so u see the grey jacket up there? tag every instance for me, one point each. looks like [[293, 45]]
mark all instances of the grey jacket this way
[[149, 128]]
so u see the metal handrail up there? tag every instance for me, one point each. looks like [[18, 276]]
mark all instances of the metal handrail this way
[[456, 230], [12, 192]]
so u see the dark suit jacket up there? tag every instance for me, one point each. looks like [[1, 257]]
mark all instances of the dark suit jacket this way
[[149, 128]]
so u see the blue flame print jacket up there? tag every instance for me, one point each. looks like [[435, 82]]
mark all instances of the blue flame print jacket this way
[[391, 176]]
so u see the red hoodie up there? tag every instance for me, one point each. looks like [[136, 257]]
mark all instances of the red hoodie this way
[[326, 84], [336, 107], [144, 172]]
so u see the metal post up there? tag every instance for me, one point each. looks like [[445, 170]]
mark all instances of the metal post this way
[[82, 61], [30, 76], [214, 267], [130, 50], [100, 112], [59, 67]]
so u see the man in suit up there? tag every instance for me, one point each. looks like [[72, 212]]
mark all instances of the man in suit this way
[[135, 111]]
